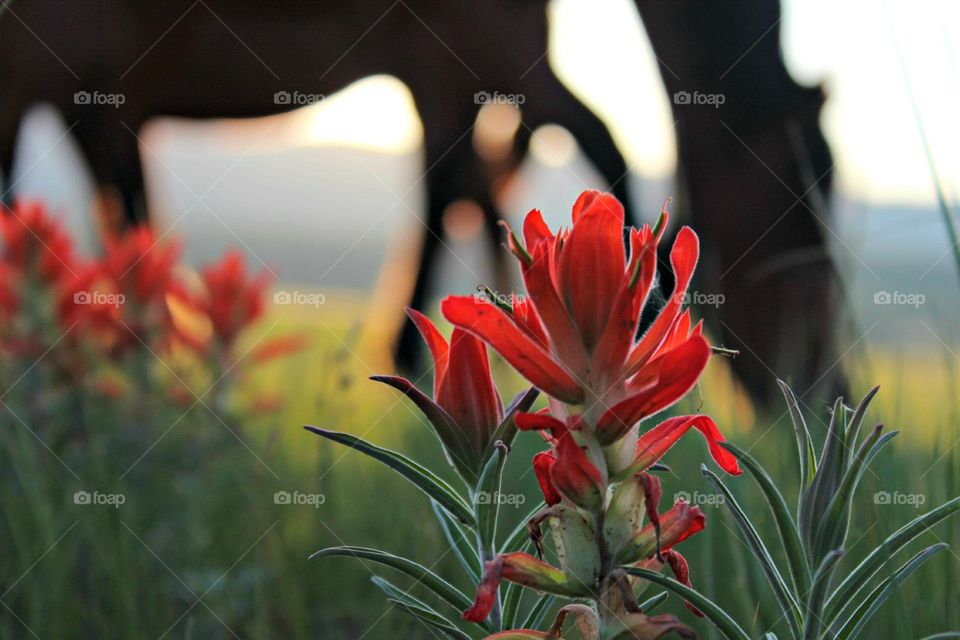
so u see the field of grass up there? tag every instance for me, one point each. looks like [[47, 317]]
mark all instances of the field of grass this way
[[200, 548]]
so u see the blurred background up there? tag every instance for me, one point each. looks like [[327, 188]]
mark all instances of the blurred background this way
[[330, 200]]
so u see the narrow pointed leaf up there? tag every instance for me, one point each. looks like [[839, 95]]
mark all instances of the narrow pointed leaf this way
[[456, 444], [511, 604], [506, 431], [808, 456], [538, 612], [861, 574], [461, 544], [431, 618], [650, 604], [424, 479], [814, 606], [854, 625], [443, 589], [814, 501], [789, 535], [727, 626], [835, 519], [487, 500], [785, 598]]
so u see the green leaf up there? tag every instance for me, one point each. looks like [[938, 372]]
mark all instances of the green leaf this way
[[853, 428], [462, 545], [854, 625], [538, 612], [808, 456], [486, 500], [789, 535], [431, 618], [814, 607], [789, 606], [402, 600], [835, 519], [710, 609], [511, 604], [650, 604], [814, 501], [456, 444], [443, 589], [424, 479], [506, 431], [858, 578]]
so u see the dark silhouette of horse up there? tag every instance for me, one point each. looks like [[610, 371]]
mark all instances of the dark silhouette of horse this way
[[112, 65], [235, 58]]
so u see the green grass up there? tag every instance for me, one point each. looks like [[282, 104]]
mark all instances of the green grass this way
[[199, 520]]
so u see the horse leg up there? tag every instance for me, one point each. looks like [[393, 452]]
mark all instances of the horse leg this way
[[447, 161], [756, 170], [114, 156], [551, 102], [9, 124]]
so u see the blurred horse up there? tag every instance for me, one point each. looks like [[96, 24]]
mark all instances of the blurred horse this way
[[110, 66]]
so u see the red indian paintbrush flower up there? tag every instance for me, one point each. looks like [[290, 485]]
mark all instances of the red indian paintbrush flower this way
[[233, 300], [35, 242], [575, 337], [466, 411]]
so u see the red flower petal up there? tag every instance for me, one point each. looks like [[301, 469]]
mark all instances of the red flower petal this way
[[574, 476], [435, 342], [592, 264], [467, 391], [673, 373], [535, 230], [657, 441], [683, 258], [560, 328], [497, 329], [542, 464], [540, 422]]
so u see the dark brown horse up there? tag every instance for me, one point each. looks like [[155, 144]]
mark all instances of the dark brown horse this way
[[111, 65]]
